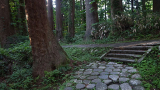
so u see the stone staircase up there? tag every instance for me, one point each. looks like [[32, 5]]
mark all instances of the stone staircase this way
[[127, 53]]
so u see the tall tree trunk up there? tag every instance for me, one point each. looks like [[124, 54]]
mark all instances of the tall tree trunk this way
[[144, 10], [91, 16], [132, 5], [5, 18], [156, 5], [50, 14], [84, 14], [59, 27], [105, 9], [47, 53], [116, 8], [71, 27], [23, 18]]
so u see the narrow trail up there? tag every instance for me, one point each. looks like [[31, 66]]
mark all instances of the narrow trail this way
[[102, 75], [116, 44]]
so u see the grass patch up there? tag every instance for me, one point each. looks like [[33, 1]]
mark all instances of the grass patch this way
[[86, 54], [149, 69]]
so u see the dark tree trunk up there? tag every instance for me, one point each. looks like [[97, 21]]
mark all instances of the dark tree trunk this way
[[71, 27], [23, 18], [5, 18], [156, 5], [84, 14], [132, 5], [144, 10], [59, 24], [116, 8], [47, 53], [105, 9], [50, 14], [91, 17]]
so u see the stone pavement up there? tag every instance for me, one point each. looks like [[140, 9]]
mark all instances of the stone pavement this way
[[105, 76]]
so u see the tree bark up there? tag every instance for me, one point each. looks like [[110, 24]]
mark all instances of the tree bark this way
[[156, 5], [59, 24], [50, 14], [46, 51], [91, 17], [132, 5], [71, 27], [116, 8], [5, 18]]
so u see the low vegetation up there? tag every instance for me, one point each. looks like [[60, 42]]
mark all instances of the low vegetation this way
[[16, 71]]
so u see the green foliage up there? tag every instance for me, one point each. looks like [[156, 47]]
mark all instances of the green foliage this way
[[149, 69], [85, 54], [52, 77], [21, 79]]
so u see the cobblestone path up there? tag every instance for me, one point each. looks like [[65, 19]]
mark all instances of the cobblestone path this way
[[105, 76]]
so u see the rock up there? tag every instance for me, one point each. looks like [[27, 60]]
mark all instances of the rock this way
[[104, 73], [114, 77], [68, 88], [138, 88], [94, 65], [69, 84], [109, 65], [124, 74], [82, 77], [95, 73], [86, 81], [108, 70], [80, 86], [87, 72], [103, 77], [98, 70], [114, 73], [123, 79], [118, 65], [116, 70], [73, 80], [78, 72], [78, 81], [101, 67], [124, 70], [77, 76], [136, 76], [96, 80], [101, 86], [134, 82], [81, 70], [113, 87], [107, 81], [112, 63], [90, 86], [125, 86], [129, 67], [132, 70], [92, 77]]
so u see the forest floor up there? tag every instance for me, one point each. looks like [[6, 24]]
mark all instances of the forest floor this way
[[116, 44]]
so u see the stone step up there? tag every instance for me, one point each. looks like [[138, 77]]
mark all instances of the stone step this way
[[119, 59], [134, 56], [128, 51], [133, 48]]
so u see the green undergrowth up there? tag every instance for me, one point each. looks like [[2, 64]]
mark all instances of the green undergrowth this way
[[16, 67], [86, 54], [149, 69]]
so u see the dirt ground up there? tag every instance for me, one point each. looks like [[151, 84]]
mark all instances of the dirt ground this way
[[146, 42]]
